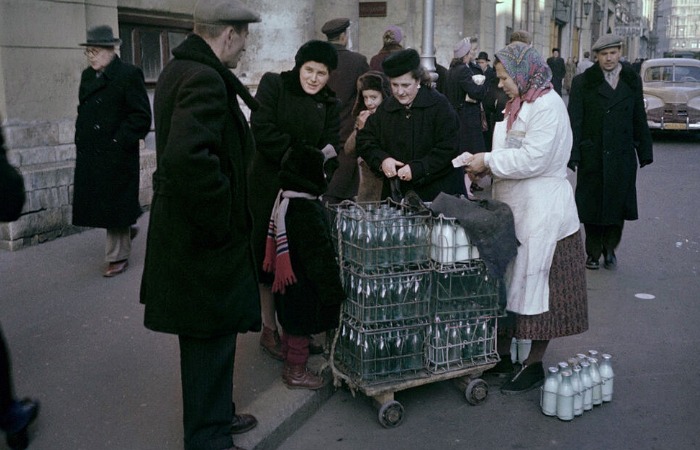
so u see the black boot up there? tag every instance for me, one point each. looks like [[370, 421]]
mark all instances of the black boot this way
[[529, 377], [15, 422]]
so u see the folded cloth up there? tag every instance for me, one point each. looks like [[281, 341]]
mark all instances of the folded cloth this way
[[488, 223]]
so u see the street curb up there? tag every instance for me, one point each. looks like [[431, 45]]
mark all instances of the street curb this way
[[281, 411]]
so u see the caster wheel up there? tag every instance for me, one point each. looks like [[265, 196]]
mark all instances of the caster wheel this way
[[391, 414], [476, 391]]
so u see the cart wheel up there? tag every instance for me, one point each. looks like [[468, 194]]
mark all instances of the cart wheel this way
[[476, 391], [391, 414]]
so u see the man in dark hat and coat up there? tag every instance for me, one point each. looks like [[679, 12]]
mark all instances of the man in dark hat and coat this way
[[343, 81], [199, 280], [611, 136], [113, 115], [558, 66]]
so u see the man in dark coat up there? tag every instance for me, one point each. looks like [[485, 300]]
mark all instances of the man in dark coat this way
[[199, 279], [558, 66], [611, 136], [113, 115], [343, 81]]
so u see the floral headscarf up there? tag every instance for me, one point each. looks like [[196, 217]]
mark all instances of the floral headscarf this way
[[530, 72]]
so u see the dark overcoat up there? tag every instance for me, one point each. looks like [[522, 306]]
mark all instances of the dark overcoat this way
[[199, 279], [343, 81], [459, 84], [286, 115], [113, 114], [424, 137], [610, 136]]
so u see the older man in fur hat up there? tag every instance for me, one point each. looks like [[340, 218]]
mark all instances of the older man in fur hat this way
[[199, 278], [611, 137], [113, 115]]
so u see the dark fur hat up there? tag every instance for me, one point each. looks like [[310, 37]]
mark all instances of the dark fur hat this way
[[372, 80], [401, 62], [318, 51], [302, 170]]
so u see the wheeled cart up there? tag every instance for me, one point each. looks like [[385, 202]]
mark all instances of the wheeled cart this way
[[420, 308]]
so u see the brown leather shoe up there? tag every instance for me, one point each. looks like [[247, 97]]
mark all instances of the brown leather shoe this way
[[298, 376], [271, 343], [242, 423], [115, 268]]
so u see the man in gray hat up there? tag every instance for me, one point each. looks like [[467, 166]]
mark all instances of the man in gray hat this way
[[113, 115], [611, 136], [199, 280], [343, 81]]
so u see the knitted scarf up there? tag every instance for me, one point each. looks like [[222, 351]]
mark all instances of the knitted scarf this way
[[530, 72], [277, 259]]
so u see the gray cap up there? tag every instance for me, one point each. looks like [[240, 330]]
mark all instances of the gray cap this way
[[607, 41], [223, 12]]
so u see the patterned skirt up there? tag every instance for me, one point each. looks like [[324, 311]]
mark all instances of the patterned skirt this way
[[568, 300]]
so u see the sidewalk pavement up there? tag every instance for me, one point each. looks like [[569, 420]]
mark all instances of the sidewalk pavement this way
[[78, 344]]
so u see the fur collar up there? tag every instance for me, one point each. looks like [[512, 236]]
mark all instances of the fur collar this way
[[593, 77], [194, 48]]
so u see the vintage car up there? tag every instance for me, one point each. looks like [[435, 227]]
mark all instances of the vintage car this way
[[672, 93]]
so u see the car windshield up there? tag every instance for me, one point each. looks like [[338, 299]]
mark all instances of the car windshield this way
[[673, 73]]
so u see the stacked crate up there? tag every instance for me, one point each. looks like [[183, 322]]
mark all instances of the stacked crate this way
[[415, 302]]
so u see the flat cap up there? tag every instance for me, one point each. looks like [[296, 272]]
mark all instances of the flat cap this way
[[335, 26], [401, 62], [223, 12], [607, 41]]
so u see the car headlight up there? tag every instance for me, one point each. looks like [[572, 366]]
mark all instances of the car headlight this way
[[651, 102]]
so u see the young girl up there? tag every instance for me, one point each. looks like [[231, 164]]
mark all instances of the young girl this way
[[372, 88]]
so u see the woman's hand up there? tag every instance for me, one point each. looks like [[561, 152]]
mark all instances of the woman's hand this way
[[475, 165], [390, 166], [405, 173]]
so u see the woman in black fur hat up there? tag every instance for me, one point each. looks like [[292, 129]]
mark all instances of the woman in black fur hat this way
[[296, 107]]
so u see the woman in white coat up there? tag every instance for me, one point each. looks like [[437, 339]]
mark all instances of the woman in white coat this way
[[546, 284]]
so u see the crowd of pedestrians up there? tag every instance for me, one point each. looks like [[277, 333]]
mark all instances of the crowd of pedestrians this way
[[238, 240]]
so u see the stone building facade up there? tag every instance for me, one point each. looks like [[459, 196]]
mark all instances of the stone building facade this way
[[41, 62]]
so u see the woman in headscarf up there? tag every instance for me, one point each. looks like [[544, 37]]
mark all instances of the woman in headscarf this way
[[391, 42], [297, 108], [545, 283]]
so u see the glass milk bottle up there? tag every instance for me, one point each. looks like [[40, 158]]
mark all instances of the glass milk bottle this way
[[578, 390], [549, 393], [607, 375], [565, 397], [587, 384], [597, 382]]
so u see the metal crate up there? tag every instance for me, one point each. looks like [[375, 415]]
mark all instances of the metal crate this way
[[456, 344], [376, 299], [464, 291], [380, 354], [383, 237]]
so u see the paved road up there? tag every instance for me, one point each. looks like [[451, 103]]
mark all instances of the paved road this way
[[654, 342], [105, 382]]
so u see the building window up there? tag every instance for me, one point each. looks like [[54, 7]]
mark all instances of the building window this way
[[147, 42]]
